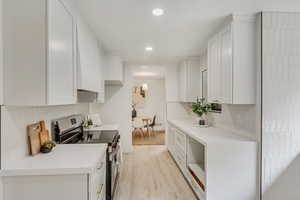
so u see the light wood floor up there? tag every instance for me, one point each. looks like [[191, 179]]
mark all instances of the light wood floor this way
[[156, 138], [149, 173]]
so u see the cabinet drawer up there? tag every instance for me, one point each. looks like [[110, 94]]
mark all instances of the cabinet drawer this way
[[180, 161], [181, 158], [181, 153], [97, 181], [180, 140]]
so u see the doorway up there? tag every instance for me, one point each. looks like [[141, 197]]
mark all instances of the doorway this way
[[148, 111]]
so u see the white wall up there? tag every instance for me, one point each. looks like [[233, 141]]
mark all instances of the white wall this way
[[280, 106], [117, 108], [155, 101], [14, 121]]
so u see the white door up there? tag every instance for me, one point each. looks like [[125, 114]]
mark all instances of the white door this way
[[61, 55], [226, 65]]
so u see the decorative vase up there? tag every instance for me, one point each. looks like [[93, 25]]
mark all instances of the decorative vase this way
[[202, 121]]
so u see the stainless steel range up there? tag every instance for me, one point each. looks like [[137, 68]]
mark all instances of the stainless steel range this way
[[69, 130]]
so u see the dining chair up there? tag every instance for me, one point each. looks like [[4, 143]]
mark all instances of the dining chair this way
[[138, 124], [153, 124]]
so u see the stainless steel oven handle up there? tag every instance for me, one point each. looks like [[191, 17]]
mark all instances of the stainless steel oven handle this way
[[112, 154], [100, 166]]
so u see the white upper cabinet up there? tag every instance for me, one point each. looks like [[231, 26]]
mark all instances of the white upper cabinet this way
[[114, 70], [189, 80], [214, 71], [1, 59], [232, 62], [39, 54], [89, 60], [61, 71], [101, 92]]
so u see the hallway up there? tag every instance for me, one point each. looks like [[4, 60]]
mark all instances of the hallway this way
[[149, 173]]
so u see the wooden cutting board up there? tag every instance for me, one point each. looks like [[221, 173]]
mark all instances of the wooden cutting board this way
[[44, 134], [33, 132]]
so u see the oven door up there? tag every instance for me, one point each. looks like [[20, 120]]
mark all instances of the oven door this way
[[114, 158], [115, 169]]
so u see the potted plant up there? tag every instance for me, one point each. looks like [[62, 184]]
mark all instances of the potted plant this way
[[201, 108], [47, 147], [88, 123]]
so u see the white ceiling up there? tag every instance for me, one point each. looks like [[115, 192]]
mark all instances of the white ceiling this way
[[148, 72], [125, 27]]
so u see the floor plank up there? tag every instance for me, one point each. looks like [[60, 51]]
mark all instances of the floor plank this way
[[157, 138], [149, 173]]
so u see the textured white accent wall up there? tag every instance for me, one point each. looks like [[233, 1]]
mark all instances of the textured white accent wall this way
[[241, 119], [14, 121], [281, 106]]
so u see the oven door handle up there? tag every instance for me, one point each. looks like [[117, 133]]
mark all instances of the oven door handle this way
[[112, 154]]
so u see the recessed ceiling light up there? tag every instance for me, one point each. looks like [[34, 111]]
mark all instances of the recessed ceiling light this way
[[157, 12], [149, 48]]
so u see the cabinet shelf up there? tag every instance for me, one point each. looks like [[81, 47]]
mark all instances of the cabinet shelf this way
[[198, 174]]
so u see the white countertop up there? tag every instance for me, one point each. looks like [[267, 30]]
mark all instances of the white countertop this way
[[209, 134], [64, 159], [104, 127]]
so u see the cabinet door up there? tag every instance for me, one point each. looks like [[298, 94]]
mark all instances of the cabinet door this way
[[193, 80], [97, 182], [171, 140], [101, 92], [214, 72], [61, 70], [89, 59], [226, 65], [182, 81]]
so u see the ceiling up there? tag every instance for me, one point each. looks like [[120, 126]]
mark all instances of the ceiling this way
[[148, 72], [125, 27]]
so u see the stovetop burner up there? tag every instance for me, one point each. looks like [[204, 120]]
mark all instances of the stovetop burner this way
[[91, 137]]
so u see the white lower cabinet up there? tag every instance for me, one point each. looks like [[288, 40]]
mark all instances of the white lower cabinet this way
[[178, 142], [97, 183], [89, 186], [216, 166]]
